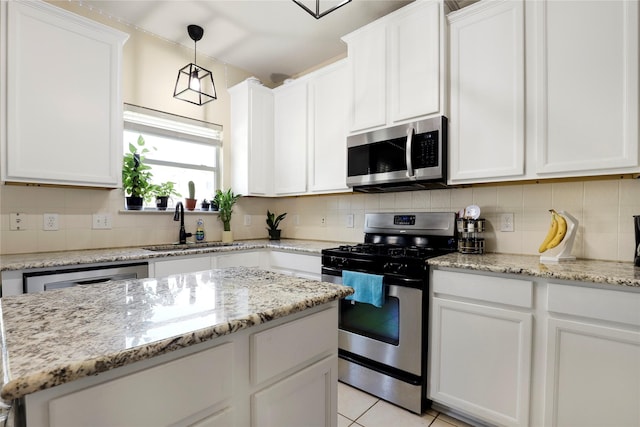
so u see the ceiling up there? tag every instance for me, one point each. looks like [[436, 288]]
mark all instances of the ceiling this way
[[272, 39]]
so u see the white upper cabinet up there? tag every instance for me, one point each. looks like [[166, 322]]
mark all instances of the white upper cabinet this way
[[64, 101], [543, 89], [486, 127], [587, 72], [328, 130], [396, 67], [252, 138], [290, 139]]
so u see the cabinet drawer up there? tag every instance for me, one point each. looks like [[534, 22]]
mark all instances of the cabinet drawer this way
[[484, 288], [276, 350], [151, 397], [296, 262], [603, 304]]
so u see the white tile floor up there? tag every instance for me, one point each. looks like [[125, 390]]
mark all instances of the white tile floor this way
[[359, 409]]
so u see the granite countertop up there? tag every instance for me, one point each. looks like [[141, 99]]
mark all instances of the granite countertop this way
[[50, 338], [91, 256], [582, 270]]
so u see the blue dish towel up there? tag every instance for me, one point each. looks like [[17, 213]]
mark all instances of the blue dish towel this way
[[369, 288]]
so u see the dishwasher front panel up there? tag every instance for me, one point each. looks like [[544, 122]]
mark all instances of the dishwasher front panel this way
[[64, 278]]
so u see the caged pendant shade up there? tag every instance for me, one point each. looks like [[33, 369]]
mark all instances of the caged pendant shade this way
[[316, 13], [194, 83]]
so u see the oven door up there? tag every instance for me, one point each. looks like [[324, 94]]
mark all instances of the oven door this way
[[390, 335]]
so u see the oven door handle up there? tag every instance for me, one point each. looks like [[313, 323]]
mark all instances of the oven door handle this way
[[410, 172]]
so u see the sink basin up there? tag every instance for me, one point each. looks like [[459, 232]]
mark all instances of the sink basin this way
[[187, 246]]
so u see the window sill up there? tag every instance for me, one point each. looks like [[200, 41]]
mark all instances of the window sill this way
[[154, 211]]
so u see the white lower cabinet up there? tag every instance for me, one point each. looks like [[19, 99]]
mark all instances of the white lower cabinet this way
[[179, 265], [239, 259], [198, 382], [593, 358], [481, 355], [296, 264], [303, 399], [532, 352], [282, 373]]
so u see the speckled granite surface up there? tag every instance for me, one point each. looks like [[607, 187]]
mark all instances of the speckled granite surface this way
[[66, 258], [54, 337], [603, 272]]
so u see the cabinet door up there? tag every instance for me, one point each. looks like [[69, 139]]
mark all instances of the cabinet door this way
[[290, 139], [307, 398], [487, 92], [481, 361], [328, 132], [260, 155], [414, 62], [588, 74], [251, 138], [64, 103], [367, 77], [593, 375]]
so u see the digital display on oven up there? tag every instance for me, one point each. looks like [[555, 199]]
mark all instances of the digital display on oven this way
[[404, 220]]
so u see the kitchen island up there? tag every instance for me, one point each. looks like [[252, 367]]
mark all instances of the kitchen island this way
[[204, 348]]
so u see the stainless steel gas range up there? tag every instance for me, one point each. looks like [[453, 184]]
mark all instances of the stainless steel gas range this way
[[383, 350]]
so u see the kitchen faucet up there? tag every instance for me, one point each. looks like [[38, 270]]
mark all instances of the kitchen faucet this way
[[179, 216]]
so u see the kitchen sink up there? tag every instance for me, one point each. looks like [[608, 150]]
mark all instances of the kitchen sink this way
[[186, 246]]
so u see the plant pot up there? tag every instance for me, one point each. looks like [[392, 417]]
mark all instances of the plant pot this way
[[227, 236], [134, 203], [162, 202], [214, 207], [190, 204], [274, 234], [204, 206]]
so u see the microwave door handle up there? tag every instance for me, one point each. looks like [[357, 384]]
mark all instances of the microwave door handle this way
[[410, 133]]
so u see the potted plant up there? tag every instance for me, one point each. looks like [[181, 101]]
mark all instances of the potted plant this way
[[225, 201], [272, 224], [190, 202], [204, 205], [163, 192], [136, 176]]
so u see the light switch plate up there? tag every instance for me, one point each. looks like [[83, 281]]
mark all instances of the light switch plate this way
[[247, 220], [506, 222], [101, 222], [18, 221]]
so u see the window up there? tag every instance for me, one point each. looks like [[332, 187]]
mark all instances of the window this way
[[181, 149]]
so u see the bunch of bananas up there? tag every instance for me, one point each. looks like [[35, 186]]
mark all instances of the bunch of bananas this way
[[557, 231]]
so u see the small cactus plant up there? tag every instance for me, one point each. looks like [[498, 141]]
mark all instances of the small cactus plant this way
[[192, 190]]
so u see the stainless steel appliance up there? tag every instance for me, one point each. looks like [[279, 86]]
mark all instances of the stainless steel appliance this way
[[63, 278], [411, 156], [383, 351]]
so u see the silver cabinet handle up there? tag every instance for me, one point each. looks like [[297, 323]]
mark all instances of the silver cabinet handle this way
[[410, 133]]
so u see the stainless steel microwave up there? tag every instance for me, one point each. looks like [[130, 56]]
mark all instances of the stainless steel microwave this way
[[411, 156]]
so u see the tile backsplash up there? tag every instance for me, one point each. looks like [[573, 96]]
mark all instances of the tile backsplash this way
[[604, 208]]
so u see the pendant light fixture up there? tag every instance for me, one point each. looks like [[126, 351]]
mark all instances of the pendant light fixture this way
[[194, 83], [317, 14]]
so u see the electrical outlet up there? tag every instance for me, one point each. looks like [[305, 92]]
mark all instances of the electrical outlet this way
[[350, 221], [50, 222], [18, 221], [506, 222], [102, 222], [296, 219], [323, 221], [247, 220]]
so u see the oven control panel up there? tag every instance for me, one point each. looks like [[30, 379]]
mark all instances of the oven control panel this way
[[404, 220]]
